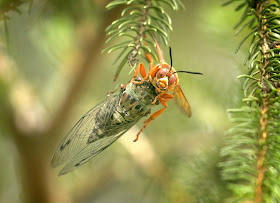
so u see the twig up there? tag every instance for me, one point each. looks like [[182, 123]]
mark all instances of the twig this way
[[263, 119]]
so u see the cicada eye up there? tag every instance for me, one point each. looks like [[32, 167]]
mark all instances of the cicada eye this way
[[172, 79], [161, 73]]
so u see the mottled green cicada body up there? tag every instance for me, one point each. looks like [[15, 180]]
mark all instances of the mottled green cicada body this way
[[110, 119], [103, 125]]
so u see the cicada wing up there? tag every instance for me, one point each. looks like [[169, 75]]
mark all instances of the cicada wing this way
[[77, 139], [89, 151], [181, 101]]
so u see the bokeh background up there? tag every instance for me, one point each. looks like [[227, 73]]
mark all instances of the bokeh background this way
[[53, 72]]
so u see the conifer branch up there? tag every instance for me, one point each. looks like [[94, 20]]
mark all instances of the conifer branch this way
[[252, 145], [139, 21], [261, 168]]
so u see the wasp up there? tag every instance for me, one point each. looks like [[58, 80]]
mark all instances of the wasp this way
[[106, 122]]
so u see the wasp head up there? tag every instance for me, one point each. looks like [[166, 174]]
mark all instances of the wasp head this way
[[165, 77]]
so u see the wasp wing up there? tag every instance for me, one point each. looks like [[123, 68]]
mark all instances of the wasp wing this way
[[77, 141], [181, 101]]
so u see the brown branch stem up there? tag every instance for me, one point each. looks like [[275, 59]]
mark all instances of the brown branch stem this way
[[260, 161], [261, 168]]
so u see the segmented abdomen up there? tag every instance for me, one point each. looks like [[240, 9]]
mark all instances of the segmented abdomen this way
[[132, 104]]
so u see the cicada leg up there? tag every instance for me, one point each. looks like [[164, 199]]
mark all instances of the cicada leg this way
[[163, 99], [116, 89]]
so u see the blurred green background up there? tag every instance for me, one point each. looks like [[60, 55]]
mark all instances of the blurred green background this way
[[54, 72]]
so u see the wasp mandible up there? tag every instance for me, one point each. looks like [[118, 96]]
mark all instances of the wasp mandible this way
[[110, 119]]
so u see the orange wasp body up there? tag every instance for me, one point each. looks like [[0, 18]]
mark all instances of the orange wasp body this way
[[166, 82]]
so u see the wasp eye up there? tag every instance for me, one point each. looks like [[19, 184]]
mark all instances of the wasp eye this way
[[161, 73], [172, 79]]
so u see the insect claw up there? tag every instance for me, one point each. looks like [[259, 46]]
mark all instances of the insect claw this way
[[124, 86], [112, 92], [137, 136]]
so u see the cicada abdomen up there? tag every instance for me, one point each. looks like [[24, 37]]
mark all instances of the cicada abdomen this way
[[103, 125]]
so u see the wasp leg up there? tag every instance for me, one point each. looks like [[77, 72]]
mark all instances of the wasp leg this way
[[167, 97], [152, 73], [148, 56], [142, 72], [164, 97], [155, 100], [152, 70], [156, 114]]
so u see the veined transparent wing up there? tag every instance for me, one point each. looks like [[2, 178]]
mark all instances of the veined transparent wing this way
[[181, 101], [75, 148], [90, 151]]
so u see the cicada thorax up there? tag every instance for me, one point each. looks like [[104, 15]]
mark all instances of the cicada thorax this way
[[136, 100]]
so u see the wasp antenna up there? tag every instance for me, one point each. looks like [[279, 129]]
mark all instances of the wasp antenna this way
[[184, 71], [170, 54], [159, 51]]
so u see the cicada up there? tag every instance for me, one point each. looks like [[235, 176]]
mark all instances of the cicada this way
[[105, 123]]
